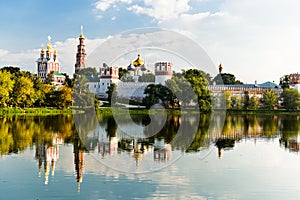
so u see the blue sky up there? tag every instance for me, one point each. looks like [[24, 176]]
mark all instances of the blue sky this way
[[255, 40]]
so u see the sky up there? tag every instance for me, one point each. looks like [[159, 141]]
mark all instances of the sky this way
[[254, 40]]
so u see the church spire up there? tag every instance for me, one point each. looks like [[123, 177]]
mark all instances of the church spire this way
[[220, 68], [81, 36], [48, 51], [42, 51]]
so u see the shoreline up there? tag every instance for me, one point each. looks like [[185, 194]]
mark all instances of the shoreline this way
[[108, 110]]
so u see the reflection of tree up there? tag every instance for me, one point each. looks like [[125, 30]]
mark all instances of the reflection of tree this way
[[201, 134], [270, 125], [85, 123], [224, 143], [289, 126], [6, 138], [22, 132], [111, 127], [19, 132]]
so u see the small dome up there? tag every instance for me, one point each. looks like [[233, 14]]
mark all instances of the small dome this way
[[138, 62], [143, 68], [130, 67], [81, 36]]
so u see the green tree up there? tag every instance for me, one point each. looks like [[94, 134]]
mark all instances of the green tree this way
[[41, 91], [254, 102], [88, 71], [284, 81], [148, 77], [23, 93], [6, 87], [64, 97], [269, 99], [226, 79], [82, 96], [228, 99], [291, 99], [235, 102], [188, 74], [246, 102], [12, 70], [202, 93], [112, 93], [181, 87], [122, 72], [69, 81], [158, 94]]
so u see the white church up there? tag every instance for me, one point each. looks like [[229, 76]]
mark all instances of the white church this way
[[130, 90]]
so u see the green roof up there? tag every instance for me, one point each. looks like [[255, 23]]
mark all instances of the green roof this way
[[91, 78], [58, 74], [269, 84]]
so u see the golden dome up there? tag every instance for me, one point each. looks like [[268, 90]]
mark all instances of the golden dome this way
[[42, 50], [138, 62], [48, 47], [81, 36], [49, 44], [54, 52]]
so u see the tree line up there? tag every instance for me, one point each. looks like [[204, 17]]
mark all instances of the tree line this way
[[25, 89], [176, 93]]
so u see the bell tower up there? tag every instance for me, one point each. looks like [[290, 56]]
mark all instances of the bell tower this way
[[80, 55]]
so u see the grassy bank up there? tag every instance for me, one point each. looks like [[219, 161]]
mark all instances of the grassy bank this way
[[35, 111], [265, 112], [132, 111]]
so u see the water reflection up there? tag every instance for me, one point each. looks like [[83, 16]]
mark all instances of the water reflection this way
[[104, 138], [48, 154]]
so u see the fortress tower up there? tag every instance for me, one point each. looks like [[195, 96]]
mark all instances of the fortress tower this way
[[108, 75], [163, 72], [295, 81]]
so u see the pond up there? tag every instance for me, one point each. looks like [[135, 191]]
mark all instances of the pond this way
[[168, 156]]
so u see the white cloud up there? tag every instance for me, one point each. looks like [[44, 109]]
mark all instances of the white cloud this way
[[104, 5], [3, 52], [162, 10], [255, 40]]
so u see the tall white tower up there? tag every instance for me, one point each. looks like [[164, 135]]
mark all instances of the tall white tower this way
[[108, 75]]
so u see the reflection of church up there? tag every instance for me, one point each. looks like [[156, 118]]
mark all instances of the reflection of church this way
[[48, 155], [162, 151], [136, 148]]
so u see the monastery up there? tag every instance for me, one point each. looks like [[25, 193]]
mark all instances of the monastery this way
[[163, 71]]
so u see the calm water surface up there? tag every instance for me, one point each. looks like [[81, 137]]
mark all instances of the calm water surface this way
[[252, 157]]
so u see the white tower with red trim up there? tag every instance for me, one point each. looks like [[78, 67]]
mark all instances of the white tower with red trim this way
[[163, 72], [108, 75], [295, 81]]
